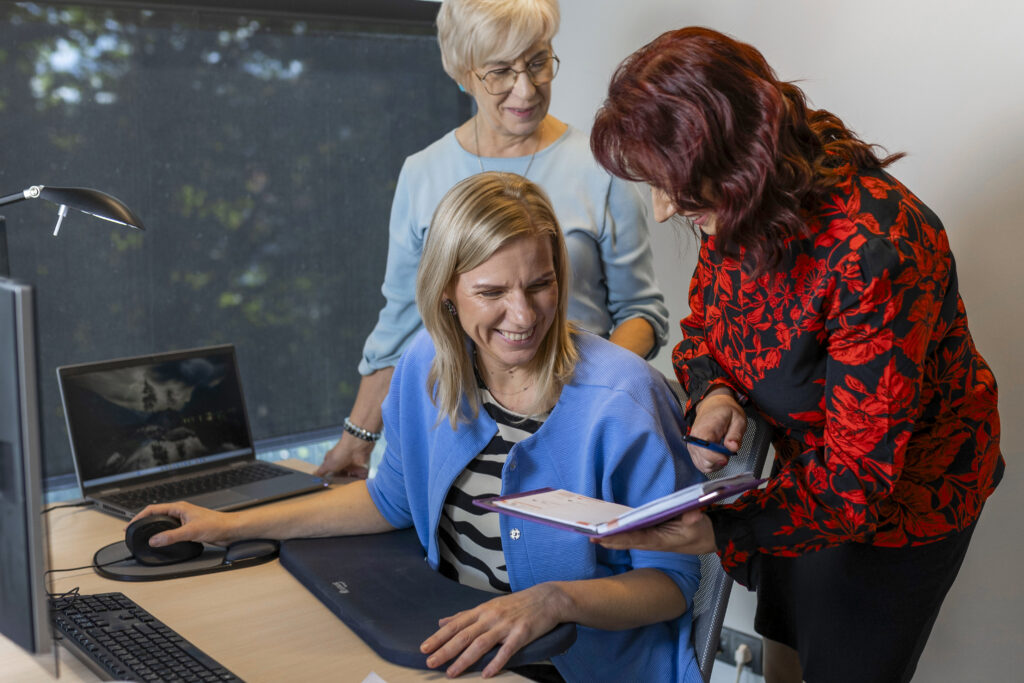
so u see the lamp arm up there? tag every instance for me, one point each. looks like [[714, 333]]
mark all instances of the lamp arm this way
[[30, 193]]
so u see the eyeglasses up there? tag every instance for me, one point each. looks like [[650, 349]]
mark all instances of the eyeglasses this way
[[540, 71]]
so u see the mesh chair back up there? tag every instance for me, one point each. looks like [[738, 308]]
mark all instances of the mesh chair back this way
[[712, 595]]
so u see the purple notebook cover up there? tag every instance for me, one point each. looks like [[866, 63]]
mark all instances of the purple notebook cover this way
[[705, 500]]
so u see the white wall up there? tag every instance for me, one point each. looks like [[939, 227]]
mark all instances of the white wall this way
[[943, 81]]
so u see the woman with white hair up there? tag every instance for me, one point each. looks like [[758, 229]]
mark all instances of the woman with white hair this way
[[500, 53], [501, 394]]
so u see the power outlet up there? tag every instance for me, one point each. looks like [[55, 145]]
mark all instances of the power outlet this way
[[731, 639]]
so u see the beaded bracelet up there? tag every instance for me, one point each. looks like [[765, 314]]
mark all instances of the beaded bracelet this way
[[360, 433]]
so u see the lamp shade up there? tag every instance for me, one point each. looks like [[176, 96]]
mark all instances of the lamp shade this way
[[84, 199], [95, 202]]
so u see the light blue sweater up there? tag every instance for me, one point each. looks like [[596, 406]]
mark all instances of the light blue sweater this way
[[602, 218], [611, 435]]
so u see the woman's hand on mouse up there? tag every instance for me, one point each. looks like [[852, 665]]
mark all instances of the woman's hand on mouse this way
[[197, 524]]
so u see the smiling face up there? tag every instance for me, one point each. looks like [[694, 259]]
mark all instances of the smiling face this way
[[520, 111], [507, 304], [664, 209]]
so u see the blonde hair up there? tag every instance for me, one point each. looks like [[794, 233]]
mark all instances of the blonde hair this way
[[475, 219], [472, 33]]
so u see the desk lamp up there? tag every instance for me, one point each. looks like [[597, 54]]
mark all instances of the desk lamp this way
[[93, 202]]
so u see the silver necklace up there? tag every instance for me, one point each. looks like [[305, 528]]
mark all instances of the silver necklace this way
[[479, 370], [476, 139]]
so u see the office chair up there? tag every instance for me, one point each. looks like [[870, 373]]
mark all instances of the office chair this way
[[712, 595]]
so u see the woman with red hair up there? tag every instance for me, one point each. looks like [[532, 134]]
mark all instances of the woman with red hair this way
[[826, 295]]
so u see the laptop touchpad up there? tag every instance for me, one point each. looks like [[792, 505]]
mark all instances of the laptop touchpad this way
[[218, 499]]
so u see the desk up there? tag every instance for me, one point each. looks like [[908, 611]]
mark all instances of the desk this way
[[259, 622]]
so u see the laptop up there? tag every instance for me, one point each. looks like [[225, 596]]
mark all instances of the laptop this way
[[167, 427]]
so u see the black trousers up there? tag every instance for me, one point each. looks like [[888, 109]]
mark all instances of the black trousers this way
[[858, 613]]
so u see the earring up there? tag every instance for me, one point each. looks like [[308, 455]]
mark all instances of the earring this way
[[451, 308]]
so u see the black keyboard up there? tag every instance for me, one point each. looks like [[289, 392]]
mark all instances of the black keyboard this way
[[118, 638], [136, 499]]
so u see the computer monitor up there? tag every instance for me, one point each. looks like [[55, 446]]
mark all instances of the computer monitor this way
[[24, 611]]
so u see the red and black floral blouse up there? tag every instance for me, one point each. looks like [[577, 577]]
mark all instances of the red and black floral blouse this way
[[857, 352]]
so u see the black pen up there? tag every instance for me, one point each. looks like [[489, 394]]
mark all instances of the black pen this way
[[711, 446]]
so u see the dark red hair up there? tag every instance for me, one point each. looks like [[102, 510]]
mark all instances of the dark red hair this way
[[704, 118]]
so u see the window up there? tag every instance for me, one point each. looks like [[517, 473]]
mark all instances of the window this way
[[261, 151]]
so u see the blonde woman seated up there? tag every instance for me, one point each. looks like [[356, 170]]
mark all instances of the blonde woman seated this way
[[500, 394]]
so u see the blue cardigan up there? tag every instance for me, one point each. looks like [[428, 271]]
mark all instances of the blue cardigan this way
[[612, 435]]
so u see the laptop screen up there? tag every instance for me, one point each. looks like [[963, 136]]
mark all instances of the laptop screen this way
[[136, 417]]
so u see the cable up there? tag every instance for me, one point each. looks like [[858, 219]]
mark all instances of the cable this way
[[82, 504], [742, 656], [67, 597], [88, 566]]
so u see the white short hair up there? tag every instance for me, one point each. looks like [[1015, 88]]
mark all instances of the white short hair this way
[[472, 33]]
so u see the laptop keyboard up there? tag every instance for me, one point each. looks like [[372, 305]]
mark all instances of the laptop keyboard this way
[[125, 641], [137, 499]]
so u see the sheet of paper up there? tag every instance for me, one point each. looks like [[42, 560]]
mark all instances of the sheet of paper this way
[[565, 506]]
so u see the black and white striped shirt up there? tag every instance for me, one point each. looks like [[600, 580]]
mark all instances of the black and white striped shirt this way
[[469, 537]]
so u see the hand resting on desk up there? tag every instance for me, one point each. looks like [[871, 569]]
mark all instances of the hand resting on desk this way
[[512, 621], [623, 601], [350, 457]]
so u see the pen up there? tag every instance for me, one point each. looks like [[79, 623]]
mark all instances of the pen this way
[[711, 446]]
